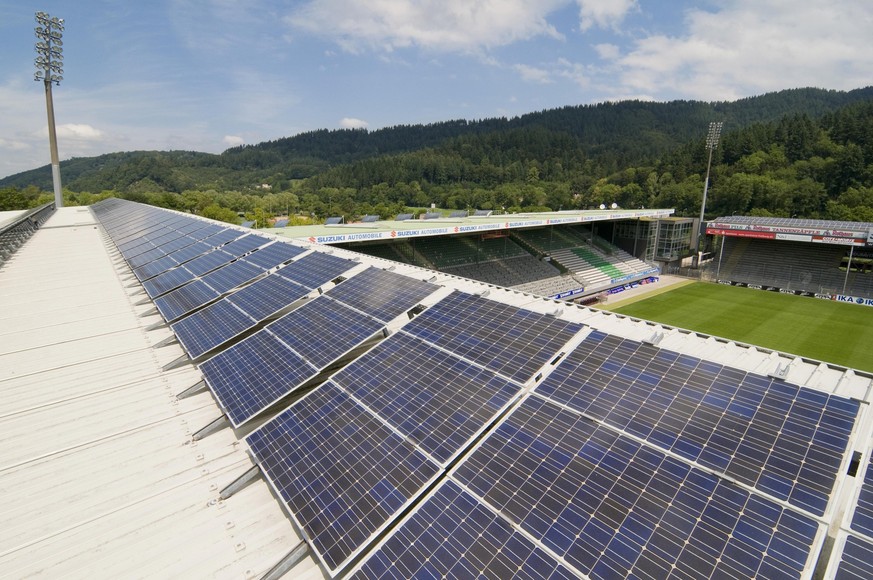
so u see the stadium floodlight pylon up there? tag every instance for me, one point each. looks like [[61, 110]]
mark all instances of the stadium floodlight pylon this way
[[49, 60], [712, 138]]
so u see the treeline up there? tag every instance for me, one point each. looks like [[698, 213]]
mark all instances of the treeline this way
[[815, 161]]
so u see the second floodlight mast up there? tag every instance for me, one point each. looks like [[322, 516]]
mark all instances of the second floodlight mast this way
[[712, 138], [49, 62]]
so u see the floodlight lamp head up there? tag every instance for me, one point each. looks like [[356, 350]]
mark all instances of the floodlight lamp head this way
[[614, 205], [602, 206]]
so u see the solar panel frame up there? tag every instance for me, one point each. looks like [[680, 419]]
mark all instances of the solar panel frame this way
[[232, 275], [862, 514], [854, 560], [171, 260], [610, 506], [341, 472], [253, 374], [315, 269], [268, 296], [381, 294], [453, 535], [184, 299], [435, 399], [211, 327], [167, 281], [273, 255], [512, 341], [781, 439]]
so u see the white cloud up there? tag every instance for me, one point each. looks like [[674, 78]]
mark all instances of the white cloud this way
[[533, 74], [603, 13], [607, 51], [441, 25], [352, 123], [233, 140], [79, 131], [754, 46]]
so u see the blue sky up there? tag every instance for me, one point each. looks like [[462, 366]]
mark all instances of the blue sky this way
[[206, 75]]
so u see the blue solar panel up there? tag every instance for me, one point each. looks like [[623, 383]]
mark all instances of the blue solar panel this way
[[862, 519], [171, 260], [184, 299], [243, 245], [452, 535], [322, 330], [614, 508], [273, 255], [511, 341], [210, 327], [434, 398], [315, 269], [381, 294], [267, 296], [223, 236], [252, 374], [342, 473], [781, 439], [207, 262], [281, 223], [300, 345], [856, 562], [234, 274], [169, 280]]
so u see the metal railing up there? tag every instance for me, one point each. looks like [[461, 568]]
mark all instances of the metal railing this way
[[18, 231]]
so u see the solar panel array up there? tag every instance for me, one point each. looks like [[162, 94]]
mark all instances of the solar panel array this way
[[420, 394], [198, 292], [208, 328], [304, 342], [437, 454]]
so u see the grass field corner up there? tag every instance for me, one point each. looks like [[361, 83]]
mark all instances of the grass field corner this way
[[833, 332]]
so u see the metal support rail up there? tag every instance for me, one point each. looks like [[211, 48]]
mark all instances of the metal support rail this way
[[15, 233]]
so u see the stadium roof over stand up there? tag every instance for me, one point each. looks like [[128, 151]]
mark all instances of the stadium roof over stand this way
[[409, 228], [410, 422], [798, 230]]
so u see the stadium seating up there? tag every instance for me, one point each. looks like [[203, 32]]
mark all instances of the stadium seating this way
[[790, 265]]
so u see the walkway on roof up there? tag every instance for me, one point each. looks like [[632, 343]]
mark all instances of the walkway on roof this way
[[99, 475]]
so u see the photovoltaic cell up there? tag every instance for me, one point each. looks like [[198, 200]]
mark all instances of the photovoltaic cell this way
[[232, 275], [856, 562], [342, 473], [452, 535], [435, 399], [381, 294], [184, 299], [273, 255], [614, 508], [862, 519], [302, 343], [323, 330], [207, 262], [267, 296], [511, 341], [252, 374], [315, 269], [169, 280], [171, 260], [210, 327], [781, 439]]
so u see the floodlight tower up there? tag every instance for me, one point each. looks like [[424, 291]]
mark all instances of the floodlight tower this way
[[49, 60], [711, 143]]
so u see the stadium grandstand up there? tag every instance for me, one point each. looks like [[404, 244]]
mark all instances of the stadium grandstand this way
[[813, 257], [554, 254], [184, 398]]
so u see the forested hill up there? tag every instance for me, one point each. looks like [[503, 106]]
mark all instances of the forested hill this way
[[599, 139]]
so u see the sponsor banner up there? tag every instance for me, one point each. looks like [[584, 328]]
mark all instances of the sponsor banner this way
[[740, 233], [853, 299], [481, 227], [618, 289], [630, 276], [793, 237], [568, 293], [788, 230], [838, 241], [775, 289]]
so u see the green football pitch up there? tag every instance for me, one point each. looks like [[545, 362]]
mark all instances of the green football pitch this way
[[829, 331]]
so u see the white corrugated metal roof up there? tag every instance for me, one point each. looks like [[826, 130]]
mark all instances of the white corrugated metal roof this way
[[99, 474]]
